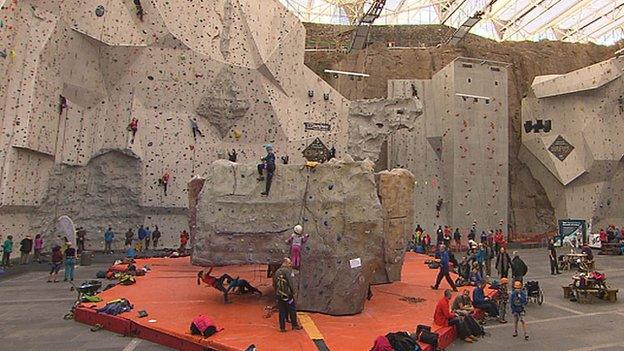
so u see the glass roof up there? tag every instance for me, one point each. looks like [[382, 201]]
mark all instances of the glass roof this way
[[599, 21]]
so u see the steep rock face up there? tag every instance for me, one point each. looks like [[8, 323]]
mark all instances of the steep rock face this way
[[104, 193], [372, 121], [338, 206]]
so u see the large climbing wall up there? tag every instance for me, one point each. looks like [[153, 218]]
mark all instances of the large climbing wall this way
[[76, 73], [458, 151], [572, 141]]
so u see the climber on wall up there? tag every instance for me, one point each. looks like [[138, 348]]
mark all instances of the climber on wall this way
[[164, 181], [439, 207], [268, 164], [297, 239], [232, 156], [62, 104], [133, 126], [184, 238], [139, 9], [195, 129]]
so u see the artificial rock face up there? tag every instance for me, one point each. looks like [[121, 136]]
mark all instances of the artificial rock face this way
[[572, 141], [458, 149], [372, 121], [77, 71], [339, 207]]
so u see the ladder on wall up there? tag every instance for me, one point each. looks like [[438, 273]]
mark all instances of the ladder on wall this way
[[360, 35], [465, 28]]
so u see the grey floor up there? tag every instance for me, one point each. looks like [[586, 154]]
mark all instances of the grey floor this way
[[31, 315], [560, 324]]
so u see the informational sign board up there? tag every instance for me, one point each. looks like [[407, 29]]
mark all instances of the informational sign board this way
[[572, 232], [316, 151], [323, 127], [560, 148]]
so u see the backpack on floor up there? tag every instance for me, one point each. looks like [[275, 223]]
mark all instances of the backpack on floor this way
[[401, 341], [424, 334]]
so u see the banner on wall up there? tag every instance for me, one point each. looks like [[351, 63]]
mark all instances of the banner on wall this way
[[572, 232], [66, 227]]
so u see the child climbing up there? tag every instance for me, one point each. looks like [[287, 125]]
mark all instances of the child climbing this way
[[268, 164], [133, 126], [139, 9], [195, 129], [164, 181], [297, 239]]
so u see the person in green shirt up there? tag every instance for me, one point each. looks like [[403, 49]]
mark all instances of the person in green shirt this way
[[7, 248]]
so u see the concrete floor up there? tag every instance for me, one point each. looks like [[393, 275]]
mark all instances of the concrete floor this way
[[559, 324], [31, 315]]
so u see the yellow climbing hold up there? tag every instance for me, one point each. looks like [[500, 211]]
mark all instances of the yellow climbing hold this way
[[311, 164], [237, 134]]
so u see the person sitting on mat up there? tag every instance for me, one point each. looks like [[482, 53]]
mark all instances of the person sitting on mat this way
[[215, 282]]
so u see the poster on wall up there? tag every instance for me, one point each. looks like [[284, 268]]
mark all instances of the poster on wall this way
[[572, 232], [594, 241], [561, 148]]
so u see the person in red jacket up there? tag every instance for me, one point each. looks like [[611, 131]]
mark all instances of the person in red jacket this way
[[184, 238], [202, 325], [444, 318], [499, 240]]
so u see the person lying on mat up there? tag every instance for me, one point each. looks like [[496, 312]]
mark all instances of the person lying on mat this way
[[241, 286], [215, 282]]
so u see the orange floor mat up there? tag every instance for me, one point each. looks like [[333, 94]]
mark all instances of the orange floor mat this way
[[171, 296]]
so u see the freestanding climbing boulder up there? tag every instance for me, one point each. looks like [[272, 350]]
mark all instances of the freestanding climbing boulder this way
[[336, 202], [396, 192]]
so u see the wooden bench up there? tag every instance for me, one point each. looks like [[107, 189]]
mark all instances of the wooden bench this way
[[610, 249], [588, 295], [611, 294], [567, 291]]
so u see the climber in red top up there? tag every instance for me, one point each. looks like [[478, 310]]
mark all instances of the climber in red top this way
[[133, 126], [164, 180], [444, 318], [184, 238]]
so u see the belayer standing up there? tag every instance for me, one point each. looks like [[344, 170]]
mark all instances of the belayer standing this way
[[297, 239], [285, 296], [268, 165]]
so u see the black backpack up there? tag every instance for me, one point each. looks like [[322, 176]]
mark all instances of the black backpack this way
[[424, 334], [401, 341]]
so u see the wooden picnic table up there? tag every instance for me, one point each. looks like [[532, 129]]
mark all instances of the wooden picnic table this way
[[568, 258], [585, 293]]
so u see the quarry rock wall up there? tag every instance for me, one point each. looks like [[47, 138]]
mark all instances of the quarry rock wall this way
[[77, 72], [354, 238], [417, 53]]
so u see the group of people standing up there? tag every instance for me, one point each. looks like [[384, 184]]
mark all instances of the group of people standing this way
[[421, 240], [28, 247]]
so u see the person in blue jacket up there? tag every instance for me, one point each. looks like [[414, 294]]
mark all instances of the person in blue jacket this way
[[480, 301], [480, 257], [517, 302], [108, 240], [444, 272]]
